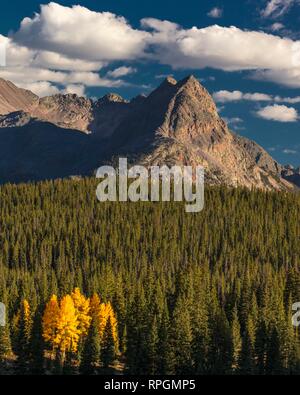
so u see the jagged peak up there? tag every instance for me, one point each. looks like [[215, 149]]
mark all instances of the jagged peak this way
[[170, 80], [112, 98], [190, 79], [167, 82]]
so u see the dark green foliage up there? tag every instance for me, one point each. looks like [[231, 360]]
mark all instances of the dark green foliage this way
[[193, 293], [91, 351], [108, 352], [36, 344]]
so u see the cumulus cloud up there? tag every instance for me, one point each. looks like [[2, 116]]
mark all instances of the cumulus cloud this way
[[71, 45], [216, 12], [278, 113], [80, 33], [225, 48], [41, 71]]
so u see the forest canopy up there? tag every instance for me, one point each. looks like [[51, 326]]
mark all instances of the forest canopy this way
[[177, 293]]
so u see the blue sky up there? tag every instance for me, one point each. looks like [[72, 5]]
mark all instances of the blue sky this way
[[238, 49]]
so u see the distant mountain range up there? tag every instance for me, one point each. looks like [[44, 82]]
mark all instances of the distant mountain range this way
[[178, 123]]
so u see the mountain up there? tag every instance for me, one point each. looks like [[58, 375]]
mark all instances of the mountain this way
[[178, 123], [14, 99]]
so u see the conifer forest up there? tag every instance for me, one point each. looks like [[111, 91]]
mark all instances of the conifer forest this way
[[96, 288]]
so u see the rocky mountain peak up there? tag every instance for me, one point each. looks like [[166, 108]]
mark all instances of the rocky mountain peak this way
[[178, 123], [14, 99], [169, 81], [112, 98]]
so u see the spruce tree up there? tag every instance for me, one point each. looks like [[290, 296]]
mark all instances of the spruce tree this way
[[91, 351], [108, 352], [23, 337], [37, 344]]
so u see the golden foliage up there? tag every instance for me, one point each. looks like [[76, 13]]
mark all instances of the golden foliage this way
[[67, 335], [82, 306], [65, 323], [50, 320]]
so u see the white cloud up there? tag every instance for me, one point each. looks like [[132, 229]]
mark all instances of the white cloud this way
[[277, 8], [121, 72], [41, 88], [225, 48], [227, 96], [216, 12], [70, 45], [289, 151], [77, 32], [79, 90], [233, 121], [276, 27], [21, 76], [278, 113], [57, 61], [44, 88], [286, 77], [290, 100], [41, 71]]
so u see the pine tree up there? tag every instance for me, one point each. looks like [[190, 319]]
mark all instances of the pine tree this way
[[108, 352], [152, 348], [91, 351], [24, 336], [37, 344], [273, 358], [182, 338], [261, 347], [247, 357], [236, 340]]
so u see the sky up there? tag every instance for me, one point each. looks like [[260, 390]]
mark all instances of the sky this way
[[246, 53]]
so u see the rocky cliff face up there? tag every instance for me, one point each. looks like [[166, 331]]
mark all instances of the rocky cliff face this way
[[177, 124], [14, 99]]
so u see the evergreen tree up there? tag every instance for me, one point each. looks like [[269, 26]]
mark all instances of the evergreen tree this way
[[37, 344], [91, 351], [236, 340], [24, 336], [108, 352]]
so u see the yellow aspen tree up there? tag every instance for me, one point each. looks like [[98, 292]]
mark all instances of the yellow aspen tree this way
[[67, 336], [82, 306], [102, 312], [95, 305], [50, 321]]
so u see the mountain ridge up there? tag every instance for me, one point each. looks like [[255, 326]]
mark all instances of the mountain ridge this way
[[178, 123]]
